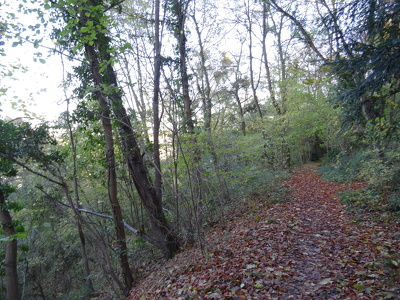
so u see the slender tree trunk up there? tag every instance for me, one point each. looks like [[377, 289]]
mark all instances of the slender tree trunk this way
[[107, 267], [111, 165], [137, 97], [10, 260], [252, 80], [266, 63], [166, 240], [180, 14], [282, 60], [239, 103], [306, 36], [205, 90], [82, 238], [236, 87], [156, 118]]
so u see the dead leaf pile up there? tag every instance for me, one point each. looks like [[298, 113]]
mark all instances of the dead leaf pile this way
[[307, 248]]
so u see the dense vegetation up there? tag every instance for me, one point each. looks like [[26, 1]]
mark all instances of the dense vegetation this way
[[179, 110]]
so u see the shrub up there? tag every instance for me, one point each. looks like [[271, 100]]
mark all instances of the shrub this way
[[345, 167]]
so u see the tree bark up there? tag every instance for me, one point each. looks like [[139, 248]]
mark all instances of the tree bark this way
[[112, 176], [82, 238], [180, 14], [165, 238], [252, 81], [156, 118], [10, 261], [307, 37], [266, 63]]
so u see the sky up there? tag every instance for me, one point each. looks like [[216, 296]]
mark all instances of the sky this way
[[37, 89]]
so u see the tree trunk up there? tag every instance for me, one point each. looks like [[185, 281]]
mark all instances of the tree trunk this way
[[306, 36], [237, 84], [112, 176], [165, 239], [156, 118], [10, 261], [240, 106], [282, 59], [266, 63], [252, 80], [82, 238], [180, 14], [107, 267], [205, 90]]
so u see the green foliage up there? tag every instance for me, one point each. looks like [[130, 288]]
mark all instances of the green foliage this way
[[370, 64], [383, 204], [230, 170], [364, 199], [57, 273], [382, 172], [343, 167], [302, 134], [204, 173], [394, 201], [22, 140], [19, 235]]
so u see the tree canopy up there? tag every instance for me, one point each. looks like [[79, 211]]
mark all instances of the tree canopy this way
[[176, 112]]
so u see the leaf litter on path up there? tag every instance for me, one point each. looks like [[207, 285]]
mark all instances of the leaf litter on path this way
[[305, 248]]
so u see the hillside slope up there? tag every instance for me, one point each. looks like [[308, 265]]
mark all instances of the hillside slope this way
[[309, 247]]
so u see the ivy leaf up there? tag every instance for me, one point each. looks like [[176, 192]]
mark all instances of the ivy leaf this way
[[359, 287], [19, 235]]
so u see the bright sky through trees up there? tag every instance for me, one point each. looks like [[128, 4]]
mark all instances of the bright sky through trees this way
[[33, 87], [37, 89]]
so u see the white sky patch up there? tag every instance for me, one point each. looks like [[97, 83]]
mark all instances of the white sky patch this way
[[36, 90], [31, 88]]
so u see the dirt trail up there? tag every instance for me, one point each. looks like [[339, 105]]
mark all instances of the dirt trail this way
[[307, 248]]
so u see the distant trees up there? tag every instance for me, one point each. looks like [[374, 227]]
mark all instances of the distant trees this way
[[176, 111], [7, 170], [20, 144]]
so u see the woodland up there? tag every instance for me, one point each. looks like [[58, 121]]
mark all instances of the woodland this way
[[242, 149]]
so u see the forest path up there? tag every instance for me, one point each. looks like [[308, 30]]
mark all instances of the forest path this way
[[309, 247]]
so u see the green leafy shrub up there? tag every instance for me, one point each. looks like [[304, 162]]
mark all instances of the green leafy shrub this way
[[345, 167], [382, 171], [394, 201], [365, 199]]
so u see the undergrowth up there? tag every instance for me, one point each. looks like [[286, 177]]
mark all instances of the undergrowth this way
[[382, 196], [384, 204], [342, 167]]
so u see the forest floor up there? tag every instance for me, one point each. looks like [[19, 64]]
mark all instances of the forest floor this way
[[307, 247]]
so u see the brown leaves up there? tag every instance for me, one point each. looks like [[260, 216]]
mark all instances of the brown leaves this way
[[308, 248]]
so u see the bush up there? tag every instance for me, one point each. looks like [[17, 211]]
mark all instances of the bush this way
[[345, 167], [365, 199], [394, 201]]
